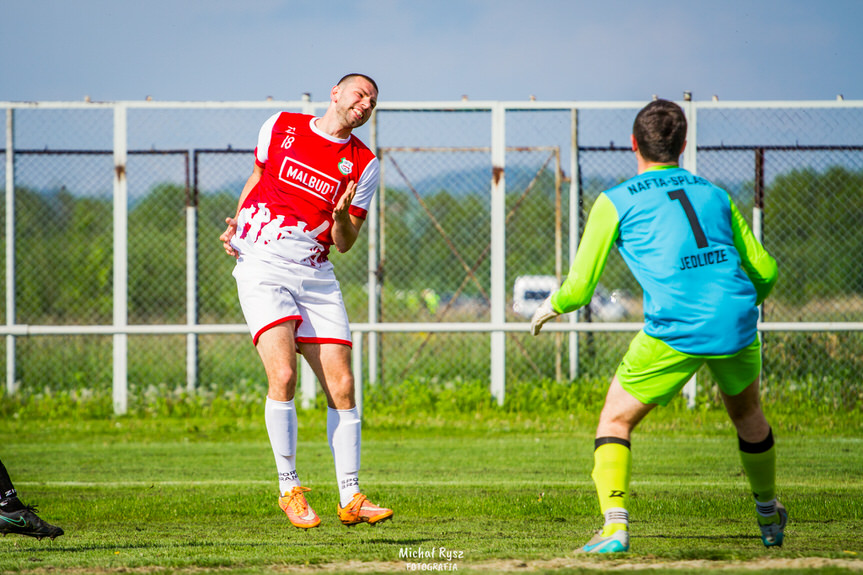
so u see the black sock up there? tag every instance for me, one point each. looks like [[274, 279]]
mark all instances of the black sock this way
[[12, 503], [8, 495]]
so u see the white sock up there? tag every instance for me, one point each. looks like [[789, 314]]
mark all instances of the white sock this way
[[766, 509], [343, 432], [281, 419], [617, 515]]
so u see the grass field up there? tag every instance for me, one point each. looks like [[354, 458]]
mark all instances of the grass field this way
[[498, 491]]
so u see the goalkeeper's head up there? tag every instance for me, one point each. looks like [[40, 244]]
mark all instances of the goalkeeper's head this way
[[660, 132]]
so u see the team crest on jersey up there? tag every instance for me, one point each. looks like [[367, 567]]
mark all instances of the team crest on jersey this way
[[345, 166]]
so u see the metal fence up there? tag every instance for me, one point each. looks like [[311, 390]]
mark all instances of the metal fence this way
[[115, 277]]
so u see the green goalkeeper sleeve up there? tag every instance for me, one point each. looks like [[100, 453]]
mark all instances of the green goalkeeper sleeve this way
[[599, 236], [757, 263]]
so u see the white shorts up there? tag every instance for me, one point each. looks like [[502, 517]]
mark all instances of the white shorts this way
[[271, 294]]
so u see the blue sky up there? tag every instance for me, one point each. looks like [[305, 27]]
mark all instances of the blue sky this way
[[431, 50]]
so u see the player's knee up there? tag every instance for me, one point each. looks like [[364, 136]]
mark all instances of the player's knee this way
[[615, 428], [750, 424], [617, 423], [282, 377], [342, 392]]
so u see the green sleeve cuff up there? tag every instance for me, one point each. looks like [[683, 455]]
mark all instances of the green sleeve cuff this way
[[600, 233]]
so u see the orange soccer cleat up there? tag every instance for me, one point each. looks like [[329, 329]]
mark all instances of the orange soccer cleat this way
[[361, 510], [297, 509]]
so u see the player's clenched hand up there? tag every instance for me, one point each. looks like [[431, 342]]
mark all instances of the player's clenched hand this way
[[340, 212], [227, 235], [542, 314]]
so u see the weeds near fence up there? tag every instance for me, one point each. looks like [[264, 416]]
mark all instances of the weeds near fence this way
[[798, 404]]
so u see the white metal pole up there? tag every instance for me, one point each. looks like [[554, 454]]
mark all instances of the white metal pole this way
[[690, 162], [574, 231], [757, 213], [758, 226], [10, 248], [373, 224], [191, 294], [308, 379], [758, 232], [308, 106], [357, 365], [757, 220], [308, 383], [498, 251], [121, 263], [689, 154]]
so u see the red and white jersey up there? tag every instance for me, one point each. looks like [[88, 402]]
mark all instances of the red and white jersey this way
[[288, 215]]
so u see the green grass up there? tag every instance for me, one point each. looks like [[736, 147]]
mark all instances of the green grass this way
[[187, 485]]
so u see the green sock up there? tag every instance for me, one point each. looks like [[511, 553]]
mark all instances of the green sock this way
[[611, 471], [759, 462]]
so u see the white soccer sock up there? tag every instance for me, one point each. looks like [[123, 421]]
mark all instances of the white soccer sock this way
[[766, 509], [343, 432], [281, 419], [617, 515]]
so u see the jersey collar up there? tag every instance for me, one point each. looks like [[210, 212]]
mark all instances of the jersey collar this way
[[658, 168], [323, 134]]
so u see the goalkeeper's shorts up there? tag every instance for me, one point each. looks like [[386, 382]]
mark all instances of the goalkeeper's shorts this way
[[653, 372]]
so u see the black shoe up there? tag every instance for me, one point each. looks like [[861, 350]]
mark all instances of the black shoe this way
[[26, 522]]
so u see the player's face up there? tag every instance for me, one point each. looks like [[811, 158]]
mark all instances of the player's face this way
[[356, 99]]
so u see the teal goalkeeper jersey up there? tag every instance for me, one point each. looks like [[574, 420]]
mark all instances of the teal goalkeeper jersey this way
[[702, 271]]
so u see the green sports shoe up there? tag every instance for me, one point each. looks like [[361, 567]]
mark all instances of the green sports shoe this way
[[617, 542], [773, 527]]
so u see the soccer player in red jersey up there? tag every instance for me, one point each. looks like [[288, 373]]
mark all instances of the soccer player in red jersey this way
[[310, 188]]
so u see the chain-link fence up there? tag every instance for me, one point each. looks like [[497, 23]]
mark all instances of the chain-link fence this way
[[142, 190]]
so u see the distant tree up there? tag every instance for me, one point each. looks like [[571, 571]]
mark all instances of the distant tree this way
[[157, 256], [63, 254], [813, 225], [217, 290]]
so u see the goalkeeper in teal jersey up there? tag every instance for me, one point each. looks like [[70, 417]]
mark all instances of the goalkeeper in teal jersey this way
[[703, 274]]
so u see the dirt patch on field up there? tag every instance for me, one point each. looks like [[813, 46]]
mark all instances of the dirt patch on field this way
[[498, 566], [647, 565]]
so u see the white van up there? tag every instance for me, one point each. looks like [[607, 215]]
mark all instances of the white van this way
[[530, 291]]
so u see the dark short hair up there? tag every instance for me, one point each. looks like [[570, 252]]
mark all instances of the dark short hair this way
[[660, 131], [347, 77]]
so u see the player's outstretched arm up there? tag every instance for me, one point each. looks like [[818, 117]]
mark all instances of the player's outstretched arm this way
[[757, 263], [600, 233]]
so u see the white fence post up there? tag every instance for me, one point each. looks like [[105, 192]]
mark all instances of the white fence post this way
[[690, 162], [308, 383], [357, 365], [10, 248], [192, 292], [574, 231], [374, 299], [498, 250], [121, 262]]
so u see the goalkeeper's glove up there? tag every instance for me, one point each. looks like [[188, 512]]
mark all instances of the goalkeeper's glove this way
[[542, 314]]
